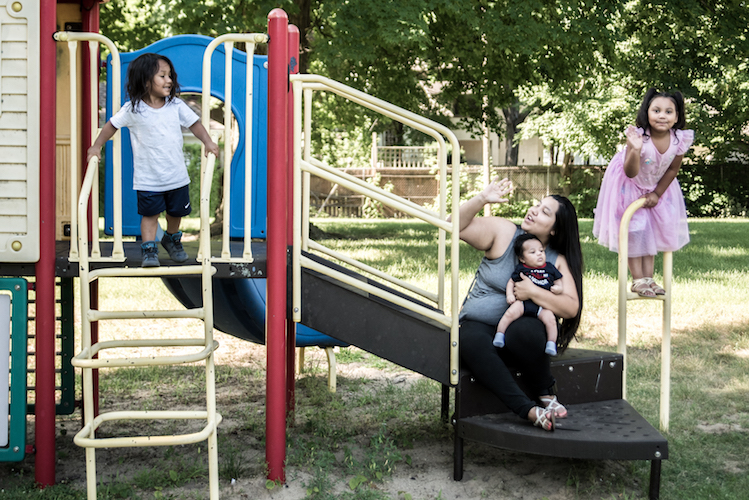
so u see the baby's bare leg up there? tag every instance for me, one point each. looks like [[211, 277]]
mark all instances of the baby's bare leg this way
[[513, 312], [550, 322]]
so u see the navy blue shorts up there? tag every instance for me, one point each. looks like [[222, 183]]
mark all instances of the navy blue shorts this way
[[175, 202]]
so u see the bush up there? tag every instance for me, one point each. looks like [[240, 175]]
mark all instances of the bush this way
[[584, 186], [715, 190], [192, 159]]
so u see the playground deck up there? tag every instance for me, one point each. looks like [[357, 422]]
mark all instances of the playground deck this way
[[64, 268]]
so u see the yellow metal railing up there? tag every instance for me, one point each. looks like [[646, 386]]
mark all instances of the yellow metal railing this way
[[625, 295], [87, 359], [93, 39], [305, 165], [250, 40]]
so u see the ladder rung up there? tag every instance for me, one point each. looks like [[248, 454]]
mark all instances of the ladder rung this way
[[82, 440], [634, 296], [94, 315], [155, 272], [85, 359]]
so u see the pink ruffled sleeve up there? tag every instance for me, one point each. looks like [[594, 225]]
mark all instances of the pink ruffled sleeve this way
[[684, 139]]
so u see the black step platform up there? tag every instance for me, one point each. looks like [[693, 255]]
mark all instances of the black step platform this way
[[600, 426]]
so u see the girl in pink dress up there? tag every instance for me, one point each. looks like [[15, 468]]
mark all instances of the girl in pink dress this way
[[647, 168]]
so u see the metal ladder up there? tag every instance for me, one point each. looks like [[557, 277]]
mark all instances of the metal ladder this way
[[204, 346], [626, 295]]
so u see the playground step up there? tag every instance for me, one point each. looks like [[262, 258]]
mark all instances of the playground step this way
[[601, 425], [374, 324], [582, 376]]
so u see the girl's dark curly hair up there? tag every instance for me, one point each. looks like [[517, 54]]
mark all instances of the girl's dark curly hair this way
[[140, 73], [678, 100]]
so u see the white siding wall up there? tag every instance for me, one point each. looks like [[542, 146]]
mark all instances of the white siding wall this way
[[19, 130]]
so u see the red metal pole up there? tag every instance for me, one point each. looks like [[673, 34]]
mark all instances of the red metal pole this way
[[91, 25], [293, 47], [275, 317], [44, 428]]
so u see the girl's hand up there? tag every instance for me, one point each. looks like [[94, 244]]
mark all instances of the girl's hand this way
[[211, 147], [93, 151], [634, 138], [651, 199], [511, 298], [497, 191]]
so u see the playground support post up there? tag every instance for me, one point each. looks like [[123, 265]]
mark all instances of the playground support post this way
[[293, 61], [44, 470], [275, 336], [625, 295]]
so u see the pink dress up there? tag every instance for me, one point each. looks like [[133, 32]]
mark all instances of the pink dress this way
[[651, 230]]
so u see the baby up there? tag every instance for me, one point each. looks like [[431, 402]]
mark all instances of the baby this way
[[532, 256]]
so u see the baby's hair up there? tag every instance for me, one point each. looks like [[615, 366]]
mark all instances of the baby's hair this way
[[678, 100], [520, 241], [140, 73]]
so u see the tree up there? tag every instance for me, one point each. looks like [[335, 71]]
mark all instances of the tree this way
[[483, 53]]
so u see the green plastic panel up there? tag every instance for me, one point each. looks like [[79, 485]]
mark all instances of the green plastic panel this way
[[15, 448]]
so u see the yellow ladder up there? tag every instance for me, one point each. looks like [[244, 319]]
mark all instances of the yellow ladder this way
[[204, 347], [625, 295]]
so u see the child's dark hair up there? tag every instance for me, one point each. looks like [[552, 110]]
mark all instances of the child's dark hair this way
[[678, 100], [141, 71], [520, 241]]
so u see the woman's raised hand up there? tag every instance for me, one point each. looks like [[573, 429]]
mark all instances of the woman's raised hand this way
[[497, 191]]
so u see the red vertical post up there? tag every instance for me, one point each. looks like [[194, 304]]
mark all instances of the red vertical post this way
[[44, 428], [293, 48], [91, 25], [275, 317]]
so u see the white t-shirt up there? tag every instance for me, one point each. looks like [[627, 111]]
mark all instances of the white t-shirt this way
[[156, 137]]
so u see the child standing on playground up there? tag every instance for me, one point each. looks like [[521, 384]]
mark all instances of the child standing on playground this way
[[532, 264], [155, 116], [646, 168]]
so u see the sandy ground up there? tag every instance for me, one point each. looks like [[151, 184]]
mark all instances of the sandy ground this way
[[488, 472]]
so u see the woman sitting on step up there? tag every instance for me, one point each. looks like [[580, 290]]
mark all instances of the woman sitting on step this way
[[554, 222]]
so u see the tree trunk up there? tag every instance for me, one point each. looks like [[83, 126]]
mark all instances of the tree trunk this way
[[303, 21], [566, 173], [514, 116], [511, 149]]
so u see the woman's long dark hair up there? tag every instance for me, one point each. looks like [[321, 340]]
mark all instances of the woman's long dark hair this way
[[565, 239], [140, 73]]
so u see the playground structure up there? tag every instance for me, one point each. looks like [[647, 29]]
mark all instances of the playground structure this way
[[326, 297], [626, 295]]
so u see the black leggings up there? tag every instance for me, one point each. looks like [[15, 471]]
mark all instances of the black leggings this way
[[524, 350]]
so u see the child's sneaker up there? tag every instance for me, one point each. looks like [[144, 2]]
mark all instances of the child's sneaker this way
[[172, 244], [150, 252], [499, 340]]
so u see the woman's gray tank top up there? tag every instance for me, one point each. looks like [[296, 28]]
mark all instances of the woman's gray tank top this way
[[486, 300]]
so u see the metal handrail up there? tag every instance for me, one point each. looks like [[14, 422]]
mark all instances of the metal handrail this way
[[304, 165], [94, 39], [625, 294], [250, 39], [313, 245], [86, 358]]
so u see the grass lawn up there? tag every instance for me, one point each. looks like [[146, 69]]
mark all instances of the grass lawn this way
[[359, 442]]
